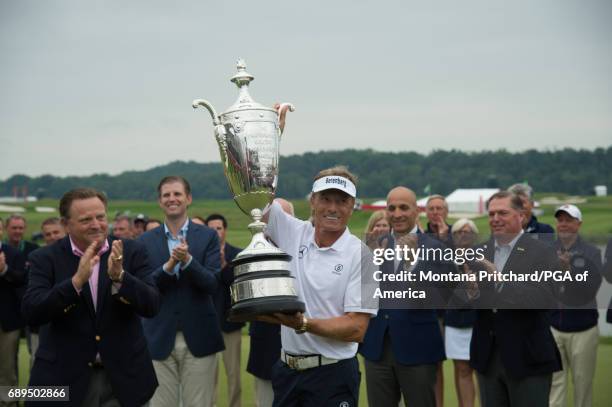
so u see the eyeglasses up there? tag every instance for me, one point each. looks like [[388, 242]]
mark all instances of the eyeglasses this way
[[464, 232]]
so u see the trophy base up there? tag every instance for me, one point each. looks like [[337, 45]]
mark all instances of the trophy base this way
[[249, 310], [262, 279]]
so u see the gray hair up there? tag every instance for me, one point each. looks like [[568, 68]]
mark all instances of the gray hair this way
[[522, 190], [431, 198], [460, 223]]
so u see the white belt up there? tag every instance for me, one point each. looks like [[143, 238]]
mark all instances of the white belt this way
[[303, 362]]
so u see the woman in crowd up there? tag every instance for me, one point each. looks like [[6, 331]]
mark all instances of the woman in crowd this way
[[458, 324], [377, 226]]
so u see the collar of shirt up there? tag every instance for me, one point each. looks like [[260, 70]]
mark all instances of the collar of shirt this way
[[182, 231], [78, 252], [510, 244], [337, 246]]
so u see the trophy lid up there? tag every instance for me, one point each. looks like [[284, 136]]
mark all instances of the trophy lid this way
[[242, 79]]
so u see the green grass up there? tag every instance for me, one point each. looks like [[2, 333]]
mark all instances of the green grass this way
[[602, 388]]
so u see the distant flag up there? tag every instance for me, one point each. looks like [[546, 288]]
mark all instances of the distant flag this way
[[427, 189]]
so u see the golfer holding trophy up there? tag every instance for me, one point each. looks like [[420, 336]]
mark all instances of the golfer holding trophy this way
[[311, 283]]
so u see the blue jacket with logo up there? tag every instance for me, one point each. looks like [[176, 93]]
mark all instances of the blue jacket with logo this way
[[568, 318]]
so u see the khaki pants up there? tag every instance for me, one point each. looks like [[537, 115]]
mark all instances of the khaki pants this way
[[33, 341], [578, 354], [9, 346], [182, 372], [231, 362], [264, 394]]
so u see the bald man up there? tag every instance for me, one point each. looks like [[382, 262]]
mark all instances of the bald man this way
[[402, 347]]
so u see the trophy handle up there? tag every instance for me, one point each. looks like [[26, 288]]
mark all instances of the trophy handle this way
[[208, 106], [282, 112], [220, 135], [221, 138]]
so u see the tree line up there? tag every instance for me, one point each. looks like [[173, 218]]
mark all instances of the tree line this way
[[572, 171]]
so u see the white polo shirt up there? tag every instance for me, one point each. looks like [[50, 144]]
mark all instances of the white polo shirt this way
[[328, 281]]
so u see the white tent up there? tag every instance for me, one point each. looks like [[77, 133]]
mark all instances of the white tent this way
[[469, 200], [17, 200], [11, 208]]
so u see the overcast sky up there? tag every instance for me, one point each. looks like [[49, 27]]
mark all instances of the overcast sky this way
[[106, 86]]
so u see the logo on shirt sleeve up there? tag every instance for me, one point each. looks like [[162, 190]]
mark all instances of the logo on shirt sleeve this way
[[302, 251]]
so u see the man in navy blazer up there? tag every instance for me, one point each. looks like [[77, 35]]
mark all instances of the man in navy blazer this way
[[512, 348], [91, 291], [185, 336], [12, 281], [402, 347]]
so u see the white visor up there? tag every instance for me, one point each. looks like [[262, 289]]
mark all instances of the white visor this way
[[335, 182]]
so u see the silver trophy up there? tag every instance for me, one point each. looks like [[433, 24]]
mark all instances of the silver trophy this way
[[248, 135]]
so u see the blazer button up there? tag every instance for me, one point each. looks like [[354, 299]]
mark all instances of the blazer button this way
[[90, 364], [98, 338], [386, 316]]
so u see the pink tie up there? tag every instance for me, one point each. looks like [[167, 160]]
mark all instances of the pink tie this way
[[93, 284]]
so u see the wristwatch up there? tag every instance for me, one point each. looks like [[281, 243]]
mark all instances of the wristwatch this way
[[304, 327], [120, 278]]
